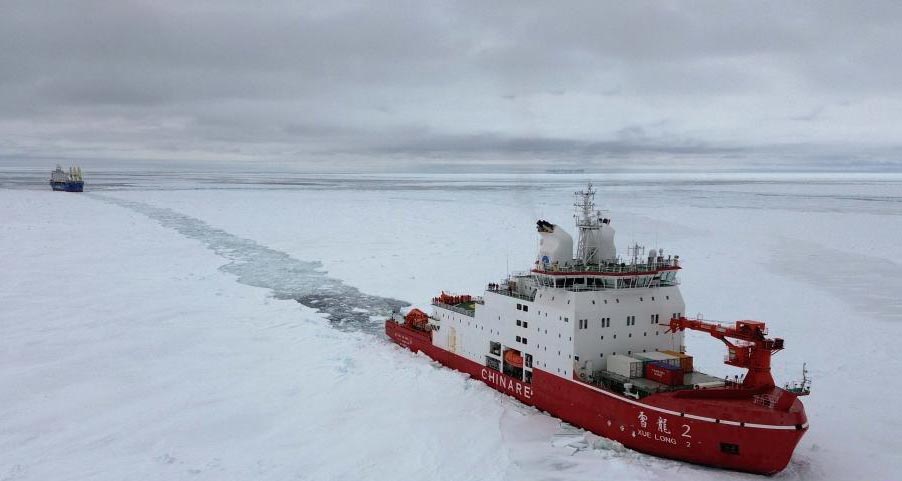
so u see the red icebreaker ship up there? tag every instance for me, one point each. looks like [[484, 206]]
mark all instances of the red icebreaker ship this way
[[597, 341]]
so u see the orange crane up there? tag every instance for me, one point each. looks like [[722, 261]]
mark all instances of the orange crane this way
[[750, 348]]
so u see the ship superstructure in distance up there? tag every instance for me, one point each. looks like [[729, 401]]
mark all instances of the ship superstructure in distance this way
[[72, 181], [597, 340]]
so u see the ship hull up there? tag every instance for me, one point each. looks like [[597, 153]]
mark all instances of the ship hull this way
[[74, 186], [659, 425]]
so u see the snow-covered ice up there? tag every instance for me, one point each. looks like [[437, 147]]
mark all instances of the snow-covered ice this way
[[157, 334]]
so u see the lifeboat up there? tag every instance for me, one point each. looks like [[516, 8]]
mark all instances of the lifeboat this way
[[416, 319], [513, 358]]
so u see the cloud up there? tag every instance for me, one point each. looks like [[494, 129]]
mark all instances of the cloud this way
[[354, 80]]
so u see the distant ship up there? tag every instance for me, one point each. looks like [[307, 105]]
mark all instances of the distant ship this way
[[565, 171], [67, 182], [614, 362]]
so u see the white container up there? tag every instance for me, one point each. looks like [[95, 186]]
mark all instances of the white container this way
[[625, 366]]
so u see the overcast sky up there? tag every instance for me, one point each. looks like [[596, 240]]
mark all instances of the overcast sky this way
[[595, 84]]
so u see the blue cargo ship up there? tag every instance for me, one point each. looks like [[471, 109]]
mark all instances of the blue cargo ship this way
[[67, 182]]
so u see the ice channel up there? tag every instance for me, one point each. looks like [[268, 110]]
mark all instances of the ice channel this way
[[304, 281]]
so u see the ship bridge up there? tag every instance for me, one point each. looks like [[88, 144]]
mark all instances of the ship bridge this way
[[656, 272]]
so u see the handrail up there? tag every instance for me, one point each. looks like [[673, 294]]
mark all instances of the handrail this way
[[611, 268], [459, 310]]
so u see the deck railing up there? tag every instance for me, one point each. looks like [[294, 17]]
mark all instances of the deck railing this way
[[611, 268], [459, 310]]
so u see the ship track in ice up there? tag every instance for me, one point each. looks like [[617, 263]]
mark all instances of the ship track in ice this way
[[346, 307]]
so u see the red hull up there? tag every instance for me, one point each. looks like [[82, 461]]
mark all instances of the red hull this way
[[666, 425]]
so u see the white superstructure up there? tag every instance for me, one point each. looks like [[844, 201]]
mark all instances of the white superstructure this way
[[572, 311], [59, 175]]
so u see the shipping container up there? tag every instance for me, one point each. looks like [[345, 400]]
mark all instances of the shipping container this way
[[656, 356], [685, 360], [663, 373], [624, 366]]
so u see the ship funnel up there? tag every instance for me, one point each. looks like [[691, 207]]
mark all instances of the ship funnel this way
[[600, 244], [555, 245]]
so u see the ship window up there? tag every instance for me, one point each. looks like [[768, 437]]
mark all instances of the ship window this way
[[525, 341], [566, 319], [519, 323], [652, 297], [618, 301], [525, 324], [518, 338], [729, 448], [593, 301], [519, 307], [528, 361], [527, 377], [631, 335], [525, 308], [495, 348], [492, 363], [605, 301], [641, 299], [667, 297]]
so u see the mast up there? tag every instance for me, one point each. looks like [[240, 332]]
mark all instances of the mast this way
[[587, 221]]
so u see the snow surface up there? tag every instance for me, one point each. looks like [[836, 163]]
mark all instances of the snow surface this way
[[170, 333]]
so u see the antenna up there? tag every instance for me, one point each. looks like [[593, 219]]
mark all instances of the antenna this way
[[507, 265], [587, 222]]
